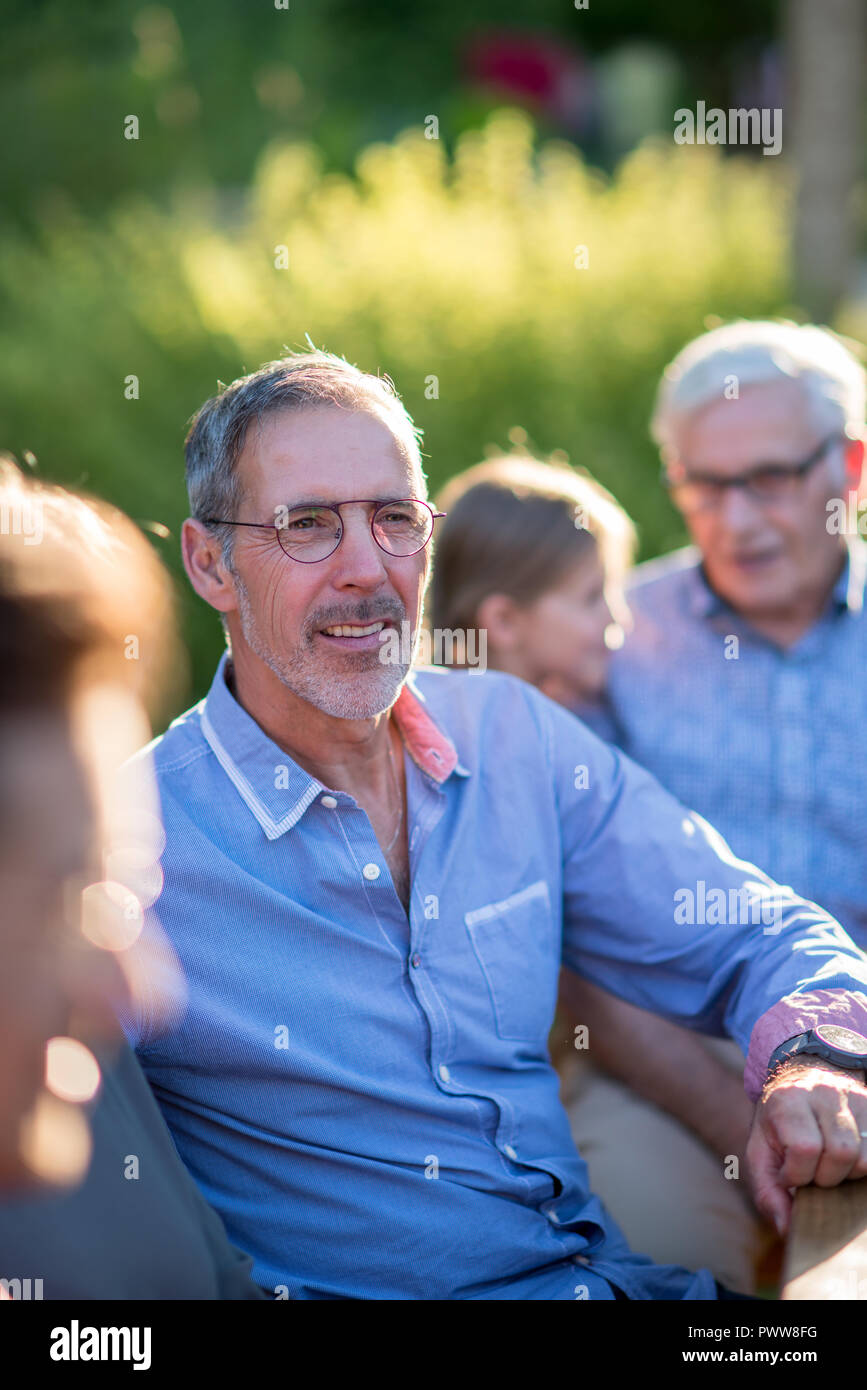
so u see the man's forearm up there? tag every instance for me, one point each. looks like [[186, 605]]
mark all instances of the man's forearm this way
[[664, 1063]]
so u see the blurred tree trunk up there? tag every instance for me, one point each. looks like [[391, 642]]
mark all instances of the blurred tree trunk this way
[[826, 49]]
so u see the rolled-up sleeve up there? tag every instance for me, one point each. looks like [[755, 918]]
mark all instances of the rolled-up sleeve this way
[[658, 910]]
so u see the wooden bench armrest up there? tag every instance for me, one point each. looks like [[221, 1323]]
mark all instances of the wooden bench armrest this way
[[826, 1248]]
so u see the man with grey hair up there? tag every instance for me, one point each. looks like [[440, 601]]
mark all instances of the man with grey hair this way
[[743, 688], [373, 875], [216, 491]]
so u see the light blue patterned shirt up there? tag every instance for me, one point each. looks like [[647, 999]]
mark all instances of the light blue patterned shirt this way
[[766, 743], [367, 1098]]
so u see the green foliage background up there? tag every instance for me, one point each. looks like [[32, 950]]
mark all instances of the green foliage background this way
[[212, 83], [417, 263]]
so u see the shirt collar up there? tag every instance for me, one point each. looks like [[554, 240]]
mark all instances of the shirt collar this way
[[274, 787], [848, 592], [703, 601]]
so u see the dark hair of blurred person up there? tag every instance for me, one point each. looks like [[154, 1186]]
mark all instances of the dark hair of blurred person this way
[[86, 641]]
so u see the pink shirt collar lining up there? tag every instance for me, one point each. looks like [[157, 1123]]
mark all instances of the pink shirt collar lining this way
[[427, 745]]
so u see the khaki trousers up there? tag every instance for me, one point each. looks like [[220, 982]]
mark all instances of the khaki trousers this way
[[663, 1186]]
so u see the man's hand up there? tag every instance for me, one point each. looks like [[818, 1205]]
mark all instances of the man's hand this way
[[807, 1129]]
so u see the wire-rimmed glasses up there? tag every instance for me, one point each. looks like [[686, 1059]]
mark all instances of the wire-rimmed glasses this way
[[312, 531]]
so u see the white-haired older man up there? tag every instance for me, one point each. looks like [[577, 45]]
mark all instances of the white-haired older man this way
[[743, 688], [372, 877]]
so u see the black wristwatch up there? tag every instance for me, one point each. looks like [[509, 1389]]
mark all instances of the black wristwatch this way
[[842, 1046]]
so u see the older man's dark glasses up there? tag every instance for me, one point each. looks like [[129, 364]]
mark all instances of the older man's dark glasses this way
[[769, 482]]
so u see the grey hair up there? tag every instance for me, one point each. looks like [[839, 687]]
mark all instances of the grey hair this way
[[218, 430], [753, 353]]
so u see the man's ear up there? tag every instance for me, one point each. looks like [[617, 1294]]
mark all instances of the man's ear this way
[[202, 556], [498, 613]]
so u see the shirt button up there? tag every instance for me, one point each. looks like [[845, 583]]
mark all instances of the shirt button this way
[[416, 960], [371, 871], [509, 1152], [553, 1218], [445, 1074], [329, 802], [581, 1260]]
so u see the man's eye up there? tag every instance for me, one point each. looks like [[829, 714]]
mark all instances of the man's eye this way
[[770, 479], [308, 521]]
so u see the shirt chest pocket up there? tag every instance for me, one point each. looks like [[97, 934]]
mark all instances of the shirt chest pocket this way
[[514, 943]]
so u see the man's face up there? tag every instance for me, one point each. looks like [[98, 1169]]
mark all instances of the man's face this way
[[764, 558], [324, 455]]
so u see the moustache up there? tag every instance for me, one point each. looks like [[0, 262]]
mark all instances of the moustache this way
[[362, 614]]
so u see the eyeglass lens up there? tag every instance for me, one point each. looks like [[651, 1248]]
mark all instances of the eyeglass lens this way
[[313, 533]]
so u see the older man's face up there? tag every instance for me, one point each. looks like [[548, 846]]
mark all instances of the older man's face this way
[[764, 557], [323, 455]]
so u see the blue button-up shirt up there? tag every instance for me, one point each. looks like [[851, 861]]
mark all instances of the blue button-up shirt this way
[[765, 742], [365, 1095]]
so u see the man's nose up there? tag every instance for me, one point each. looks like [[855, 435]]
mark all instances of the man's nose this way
[[358, 560], [738, 512]]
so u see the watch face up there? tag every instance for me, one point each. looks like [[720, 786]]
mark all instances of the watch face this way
[[844, 1039]]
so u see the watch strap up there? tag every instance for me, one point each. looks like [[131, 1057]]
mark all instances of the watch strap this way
[[809, 1045]]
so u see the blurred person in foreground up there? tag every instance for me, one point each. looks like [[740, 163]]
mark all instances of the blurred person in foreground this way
[[94, 1202], [534, 554], [742, 686], [372, 876]]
